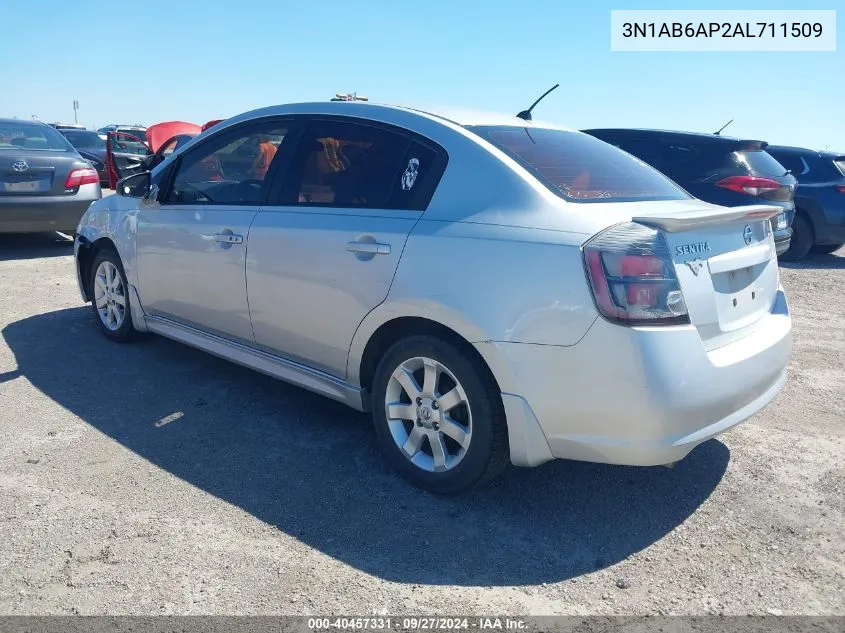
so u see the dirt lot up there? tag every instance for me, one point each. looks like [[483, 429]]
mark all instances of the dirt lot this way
[[152, 478]]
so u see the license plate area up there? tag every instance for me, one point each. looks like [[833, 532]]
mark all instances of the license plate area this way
[[741, 296], [27, 183]]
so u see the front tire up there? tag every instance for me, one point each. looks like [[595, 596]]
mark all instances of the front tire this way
[[827, 249], [109, 293], [439, 416], [801, 241]]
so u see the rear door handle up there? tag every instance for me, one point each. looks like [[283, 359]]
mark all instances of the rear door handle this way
[[228, 238], [373, 248]]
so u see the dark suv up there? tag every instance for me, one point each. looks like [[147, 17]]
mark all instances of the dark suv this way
[[719, 169], [819, 222]]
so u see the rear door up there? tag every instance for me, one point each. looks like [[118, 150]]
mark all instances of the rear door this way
[[323, 255]]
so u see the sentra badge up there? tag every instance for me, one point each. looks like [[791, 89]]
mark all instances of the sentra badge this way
[[692, 249]]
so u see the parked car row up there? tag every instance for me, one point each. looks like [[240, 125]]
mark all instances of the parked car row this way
[[808, 185]]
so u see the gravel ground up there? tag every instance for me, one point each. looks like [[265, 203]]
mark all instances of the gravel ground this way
[[153, 478]]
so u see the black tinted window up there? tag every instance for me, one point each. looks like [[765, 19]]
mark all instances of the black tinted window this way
[[349, 165], [230, 169], [792, 162], [821, 169], [759, 162], [84, 139], [579, 167]]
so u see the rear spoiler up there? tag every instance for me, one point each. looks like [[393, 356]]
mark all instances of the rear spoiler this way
[[700, 218], [749, 146]]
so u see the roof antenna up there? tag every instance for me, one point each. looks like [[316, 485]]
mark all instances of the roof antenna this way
[[526, 114], [719, 131]]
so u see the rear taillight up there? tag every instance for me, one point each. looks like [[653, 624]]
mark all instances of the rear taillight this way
[[752, 185], [82, 176], [840, 188], [633, 278]]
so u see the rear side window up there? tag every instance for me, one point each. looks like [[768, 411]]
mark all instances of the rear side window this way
[[579, 167], [793, 163], [759, 162], [840, 165], [808, 167], [822, 169], [32, 136], [349, 164]]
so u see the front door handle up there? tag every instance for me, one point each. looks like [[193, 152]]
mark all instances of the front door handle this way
[[228, 238], [371, 248]]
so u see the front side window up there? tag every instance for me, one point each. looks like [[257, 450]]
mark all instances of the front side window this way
[[579, 167], [230, 169], [342, 164]]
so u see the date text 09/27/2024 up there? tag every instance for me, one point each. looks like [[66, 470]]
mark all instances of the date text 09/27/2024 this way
[[415, 623], [722, 29]]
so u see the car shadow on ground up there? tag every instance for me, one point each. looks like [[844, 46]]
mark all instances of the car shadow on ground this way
[[34, 245], [310, 466], [819, 261]]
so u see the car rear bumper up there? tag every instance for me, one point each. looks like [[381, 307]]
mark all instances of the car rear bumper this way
[[647, 396], [782, 239], [30, 214]]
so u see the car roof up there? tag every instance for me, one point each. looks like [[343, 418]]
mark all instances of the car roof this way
[[692, 136], [788, 149], [24, 121], [367, 109]]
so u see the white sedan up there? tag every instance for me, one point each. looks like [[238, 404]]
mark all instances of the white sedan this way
[[494, 290]]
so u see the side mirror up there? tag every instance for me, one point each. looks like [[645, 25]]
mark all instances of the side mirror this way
[[134, 186]]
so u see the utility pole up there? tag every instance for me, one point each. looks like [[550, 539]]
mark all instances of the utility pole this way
[[75, 112]]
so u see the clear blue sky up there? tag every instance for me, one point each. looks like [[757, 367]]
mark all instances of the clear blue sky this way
[[154, 60]]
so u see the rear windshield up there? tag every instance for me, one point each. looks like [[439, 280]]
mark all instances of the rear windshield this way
[[840, 165], [31, 136], [84, 139], [579, 167], [141, 134], [760, 162]]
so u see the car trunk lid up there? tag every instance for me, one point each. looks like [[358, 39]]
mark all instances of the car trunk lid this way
[[37, 173], [726, 266]]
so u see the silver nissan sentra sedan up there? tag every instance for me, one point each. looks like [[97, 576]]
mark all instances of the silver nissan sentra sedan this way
[[493, 289]]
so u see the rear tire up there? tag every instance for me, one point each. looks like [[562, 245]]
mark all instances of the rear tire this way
[[826, 249], [802, 239], [109, 292], [447, 429]]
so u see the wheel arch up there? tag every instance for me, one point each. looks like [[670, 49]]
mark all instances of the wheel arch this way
[[527, 442], [386, 324], [87, 252], [813, 212]]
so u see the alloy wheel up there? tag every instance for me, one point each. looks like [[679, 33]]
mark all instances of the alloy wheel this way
[[428, 414], [110, 296]]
